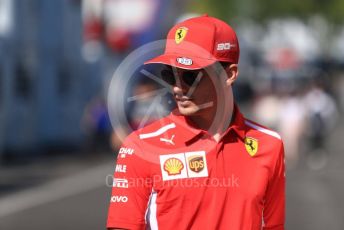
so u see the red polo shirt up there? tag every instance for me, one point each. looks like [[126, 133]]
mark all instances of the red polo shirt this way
[[170, 175]]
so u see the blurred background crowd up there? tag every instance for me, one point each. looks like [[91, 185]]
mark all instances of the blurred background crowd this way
[[57, 59]]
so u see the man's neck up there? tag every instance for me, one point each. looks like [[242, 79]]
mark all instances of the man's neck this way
[[216, 122]]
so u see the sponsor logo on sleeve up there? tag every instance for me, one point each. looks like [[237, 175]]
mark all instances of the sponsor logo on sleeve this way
[[120, 183], [121, 168], [251, 146], [119, 199], [123, 152]]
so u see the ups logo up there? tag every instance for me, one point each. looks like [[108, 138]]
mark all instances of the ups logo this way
[[196, 163]]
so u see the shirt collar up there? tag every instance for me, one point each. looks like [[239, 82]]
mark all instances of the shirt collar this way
[[190, 130], [237, 124]]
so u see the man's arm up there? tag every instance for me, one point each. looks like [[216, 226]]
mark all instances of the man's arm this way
[[130, 192], [274, 206]]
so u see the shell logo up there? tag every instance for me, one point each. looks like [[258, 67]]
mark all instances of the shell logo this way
[[173, 166]]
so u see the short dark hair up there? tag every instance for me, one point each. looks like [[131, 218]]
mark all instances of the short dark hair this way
[[225, 64]]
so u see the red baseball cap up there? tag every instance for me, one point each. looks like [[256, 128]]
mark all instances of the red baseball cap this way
[[199, 42]]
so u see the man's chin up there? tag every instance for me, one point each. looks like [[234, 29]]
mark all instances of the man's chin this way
[[188, 111]]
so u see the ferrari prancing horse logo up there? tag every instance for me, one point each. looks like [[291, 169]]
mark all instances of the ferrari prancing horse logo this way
[[251, 146], [180, 34]]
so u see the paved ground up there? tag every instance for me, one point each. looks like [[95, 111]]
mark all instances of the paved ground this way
[[74, 195], [315, 198]]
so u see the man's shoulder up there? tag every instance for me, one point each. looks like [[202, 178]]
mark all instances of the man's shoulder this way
[[263, 134], [261, 130]]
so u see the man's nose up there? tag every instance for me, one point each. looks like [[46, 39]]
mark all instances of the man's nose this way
[[177, 89], [180, 87]]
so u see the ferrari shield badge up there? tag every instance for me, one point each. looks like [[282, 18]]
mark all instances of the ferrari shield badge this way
[[180, 34], [251, 146]]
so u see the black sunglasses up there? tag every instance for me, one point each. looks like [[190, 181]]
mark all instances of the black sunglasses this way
[[188, 77]]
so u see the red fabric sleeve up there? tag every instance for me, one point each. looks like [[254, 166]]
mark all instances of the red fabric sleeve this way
[[131, 189], [274, 206]]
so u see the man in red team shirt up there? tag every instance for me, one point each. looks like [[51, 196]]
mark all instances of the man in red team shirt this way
[[204, 166]]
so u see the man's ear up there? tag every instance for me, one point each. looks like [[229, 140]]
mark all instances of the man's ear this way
[[232, 74]]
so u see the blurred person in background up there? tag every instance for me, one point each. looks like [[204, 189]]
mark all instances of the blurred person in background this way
[[286, 113], [321, 114], [304, 113], [96, 125], [205, 139], [291, 124]]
